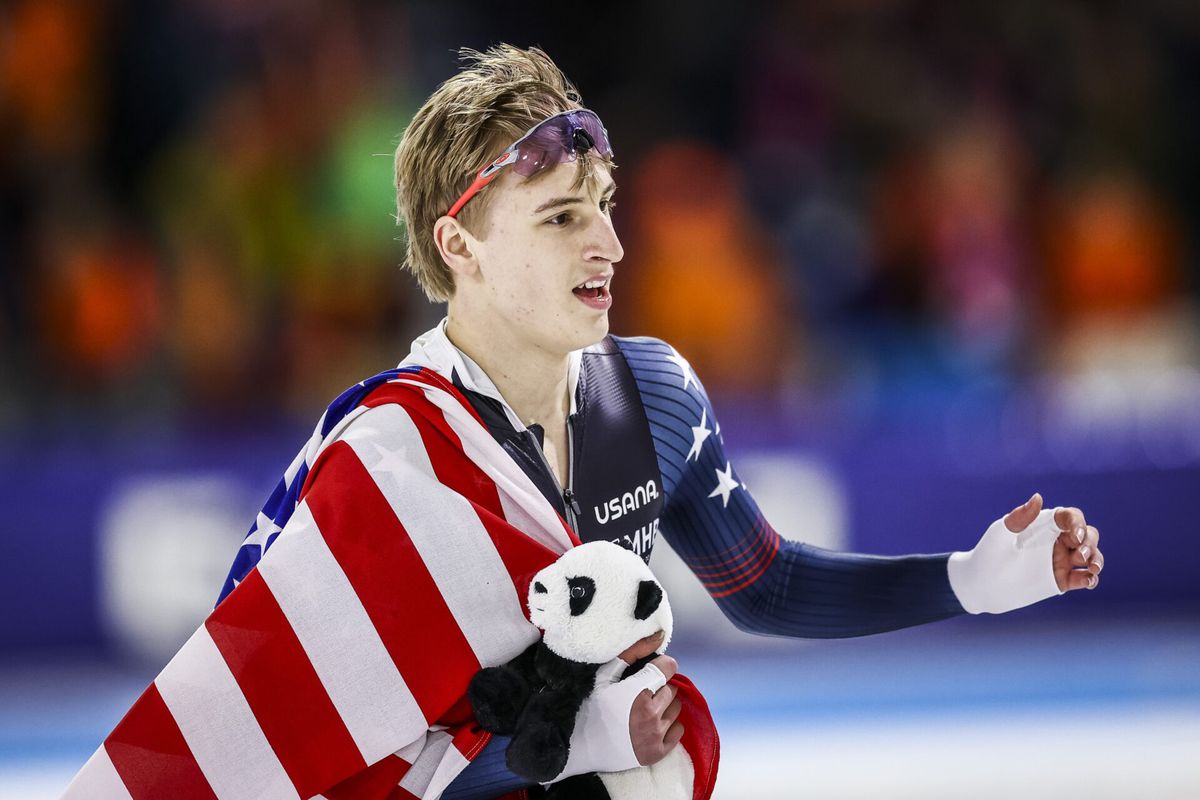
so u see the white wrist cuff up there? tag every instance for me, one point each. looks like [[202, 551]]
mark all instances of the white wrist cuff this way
[[601, 742], [1006, 570]]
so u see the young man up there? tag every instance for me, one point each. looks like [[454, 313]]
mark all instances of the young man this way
[[387, 565], [618, 433]]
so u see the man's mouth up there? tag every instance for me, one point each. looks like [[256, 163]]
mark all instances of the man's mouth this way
[[594, 292]]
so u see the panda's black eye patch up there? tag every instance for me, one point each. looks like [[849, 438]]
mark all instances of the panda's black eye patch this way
[[537, 587], [582, 590]]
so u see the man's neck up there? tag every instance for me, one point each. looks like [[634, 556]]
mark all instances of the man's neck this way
[[531, 380]]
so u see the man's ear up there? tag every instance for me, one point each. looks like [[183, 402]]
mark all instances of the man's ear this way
[[455, 245]]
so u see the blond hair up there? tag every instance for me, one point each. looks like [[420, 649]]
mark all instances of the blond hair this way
[[465, 123]]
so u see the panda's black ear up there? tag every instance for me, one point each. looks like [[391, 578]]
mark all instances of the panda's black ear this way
[[649, 596]]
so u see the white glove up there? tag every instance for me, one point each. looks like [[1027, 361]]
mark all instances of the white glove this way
[[601, 742], [1007, 570]]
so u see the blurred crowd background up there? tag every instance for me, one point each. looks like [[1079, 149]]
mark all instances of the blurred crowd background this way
[[920, 251], [928, 257], [874, 200]]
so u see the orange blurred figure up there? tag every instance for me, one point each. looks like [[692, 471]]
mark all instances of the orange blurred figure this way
[[46, 71], [699, 273], [104, 310], [1111, 250]]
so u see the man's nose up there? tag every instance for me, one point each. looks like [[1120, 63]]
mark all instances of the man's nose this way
[[605, 244]]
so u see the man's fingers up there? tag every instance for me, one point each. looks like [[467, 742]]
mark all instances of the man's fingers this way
[[662, 700], [667, 666], [642, 648], [1085, 553], [672, 712], [1082, 579], [1069, 539], [1071, 522], [1094, 559], [1023, 515], [674, 734], [654, 721]]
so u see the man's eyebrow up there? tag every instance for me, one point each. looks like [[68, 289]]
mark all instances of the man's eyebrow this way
[[567, 201]]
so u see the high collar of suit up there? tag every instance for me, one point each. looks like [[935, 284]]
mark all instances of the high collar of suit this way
[[434, 350]]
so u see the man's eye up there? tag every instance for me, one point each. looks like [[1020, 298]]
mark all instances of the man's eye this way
[[561, 219], [607, 206]]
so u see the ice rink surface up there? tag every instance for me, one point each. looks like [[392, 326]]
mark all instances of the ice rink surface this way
[[981, 708]]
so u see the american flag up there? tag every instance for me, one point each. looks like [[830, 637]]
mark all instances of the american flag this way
[[391, 564]]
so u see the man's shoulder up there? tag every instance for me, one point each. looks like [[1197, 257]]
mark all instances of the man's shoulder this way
[[405, 385], [660, 369], [644, 348]]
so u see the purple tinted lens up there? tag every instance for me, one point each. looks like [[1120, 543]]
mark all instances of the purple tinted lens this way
[[553, 142], [545, 146]]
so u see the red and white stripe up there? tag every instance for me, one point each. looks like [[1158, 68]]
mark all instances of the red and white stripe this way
[[328, 671]]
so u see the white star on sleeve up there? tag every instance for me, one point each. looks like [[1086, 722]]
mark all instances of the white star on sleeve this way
[[725, 484], [689, 377], [264, 528], [699, 434]]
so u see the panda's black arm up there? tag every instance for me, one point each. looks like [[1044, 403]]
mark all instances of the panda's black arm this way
[[540, 747], [498, 695], [574, 678], [587, 786], [525, 662]]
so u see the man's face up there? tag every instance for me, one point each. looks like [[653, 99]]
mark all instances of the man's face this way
[[542, 241]]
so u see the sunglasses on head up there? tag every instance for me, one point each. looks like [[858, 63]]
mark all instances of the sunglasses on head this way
[[549, 143]]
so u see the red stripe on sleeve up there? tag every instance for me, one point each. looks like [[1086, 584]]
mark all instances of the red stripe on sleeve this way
[[150, 754], [755, 545], [762, 539], [282, 688], [401, 598], [702, 561], [751, 575]]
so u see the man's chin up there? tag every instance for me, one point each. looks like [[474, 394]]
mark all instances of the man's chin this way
[[595, 333], [575, 335]]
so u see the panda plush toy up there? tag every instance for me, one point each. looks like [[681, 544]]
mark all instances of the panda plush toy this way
[[593, 603]]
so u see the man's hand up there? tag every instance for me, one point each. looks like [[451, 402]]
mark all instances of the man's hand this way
[[1027, 556], [623, 723], [642, 648], [654, 726], [1076, 560]]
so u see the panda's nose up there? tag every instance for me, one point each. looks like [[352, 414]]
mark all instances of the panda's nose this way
[[537, 587]]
